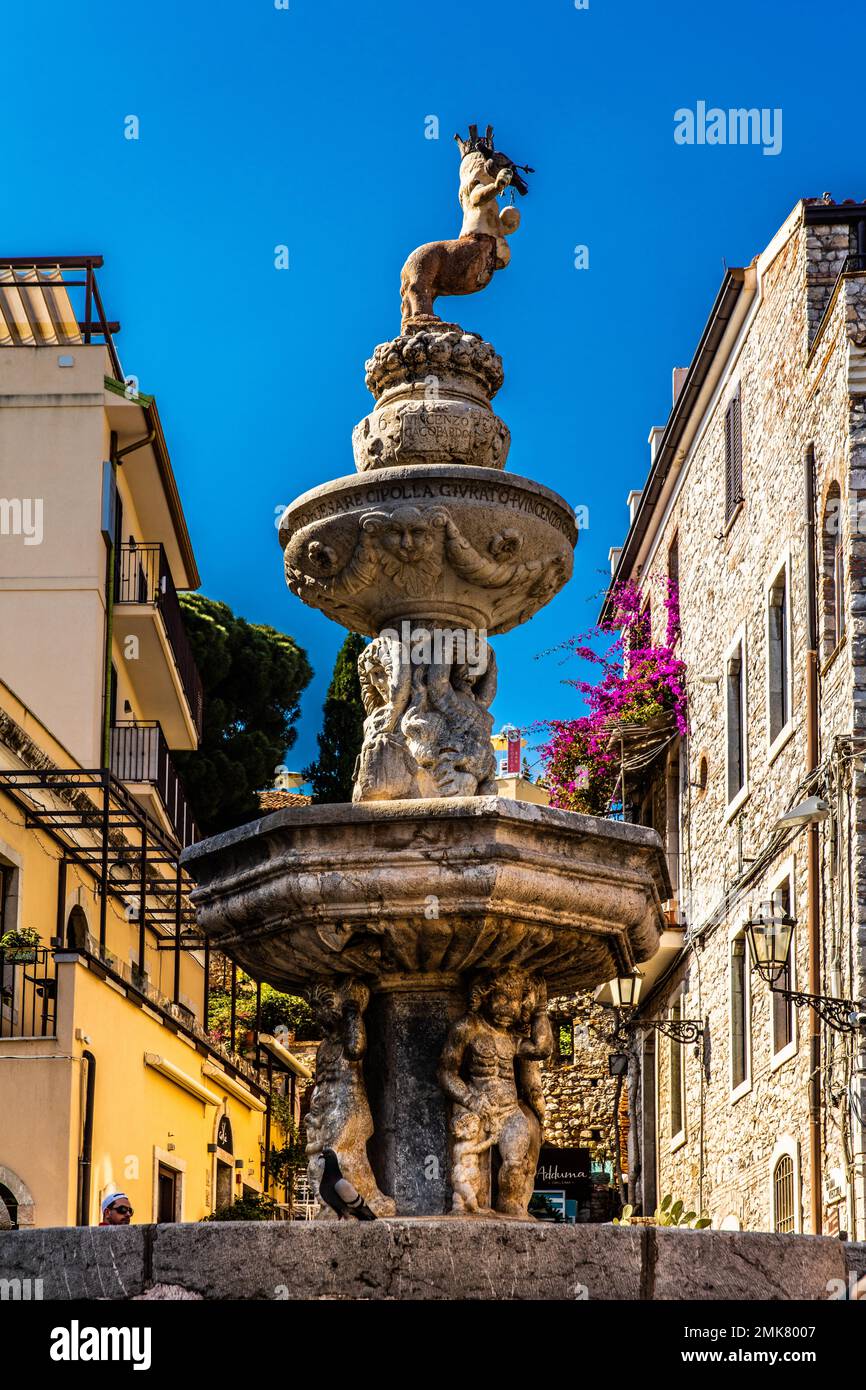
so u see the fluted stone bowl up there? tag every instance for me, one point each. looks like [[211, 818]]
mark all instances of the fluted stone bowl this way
[[432, 888]]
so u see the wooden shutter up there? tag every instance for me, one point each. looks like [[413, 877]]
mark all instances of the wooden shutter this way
[[733, 457]]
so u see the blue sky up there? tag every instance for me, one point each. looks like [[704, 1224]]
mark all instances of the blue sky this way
[[306, 127]]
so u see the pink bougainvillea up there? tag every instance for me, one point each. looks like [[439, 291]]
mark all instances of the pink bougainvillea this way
[[638, 682]]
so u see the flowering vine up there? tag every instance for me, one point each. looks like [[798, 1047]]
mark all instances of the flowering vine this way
[[638, 682]]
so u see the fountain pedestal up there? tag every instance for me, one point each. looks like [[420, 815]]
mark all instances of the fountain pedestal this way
[[407, 1024], [416, 900]]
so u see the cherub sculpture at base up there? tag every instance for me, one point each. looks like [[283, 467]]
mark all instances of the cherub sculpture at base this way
[[339, 1117], [488, 1070]]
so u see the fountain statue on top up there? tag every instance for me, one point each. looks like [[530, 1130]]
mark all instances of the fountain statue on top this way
[[429, 918], [467, 264], [437, 562]]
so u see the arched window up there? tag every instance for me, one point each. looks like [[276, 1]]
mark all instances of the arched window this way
[[76, 930], [783, 1194], [10, 1202], [832, 574]]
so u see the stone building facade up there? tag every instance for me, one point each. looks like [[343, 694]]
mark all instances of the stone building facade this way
[[755, 506], [580, 1096]]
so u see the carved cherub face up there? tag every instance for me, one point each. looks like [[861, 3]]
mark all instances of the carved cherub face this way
[[465, 1126], [407, 536], [482, 167]]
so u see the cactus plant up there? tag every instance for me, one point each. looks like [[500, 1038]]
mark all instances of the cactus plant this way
[[667, 1213]]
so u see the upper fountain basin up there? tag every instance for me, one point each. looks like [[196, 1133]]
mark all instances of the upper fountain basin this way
[[462, 546]]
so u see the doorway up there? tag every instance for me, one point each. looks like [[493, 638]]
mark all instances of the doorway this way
[[167, 1194], [223, 1183]]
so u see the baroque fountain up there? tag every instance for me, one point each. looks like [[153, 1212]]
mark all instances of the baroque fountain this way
[[427, 920]]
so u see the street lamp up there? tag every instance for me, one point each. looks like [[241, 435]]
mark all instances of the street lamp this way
[[769, 935], [807, 812], [120, 871], [625, 992]]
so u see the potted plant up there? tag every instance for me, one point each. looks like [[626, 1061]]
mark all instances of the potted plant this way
[[20, 945]]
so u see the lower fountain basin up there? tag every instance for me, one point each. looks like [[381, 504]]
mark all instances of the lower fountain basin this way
[[432, 888]]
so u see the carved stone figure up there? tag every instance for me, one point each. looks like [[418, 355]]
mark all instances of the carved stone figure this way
[[468, 263], [469, 1138], [433, 391], [489, 1070], [428, 724], [339, 1115]]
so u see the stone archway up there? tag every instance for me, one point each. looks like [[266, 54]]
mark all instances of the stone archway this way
[[22, 1198]]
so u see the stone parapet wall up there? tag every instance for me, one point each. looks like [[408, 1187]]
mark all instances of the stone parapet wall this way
[[419, 1260]]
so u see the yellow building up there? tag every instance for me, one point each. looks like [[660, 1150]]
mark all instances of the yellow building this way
[[108, 1080], [513, 783]]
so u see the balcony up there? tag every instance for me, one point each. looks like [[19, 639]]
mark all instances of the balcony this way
[[27, 993], [140, 758], [148, 609]]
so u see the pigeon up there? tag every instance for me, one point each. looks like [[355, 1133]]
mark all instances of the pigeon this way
[[339, 1194]]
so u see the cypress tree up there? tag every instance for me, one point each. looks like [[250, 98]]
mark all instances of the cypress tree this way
[[253, 677], [342, 727]]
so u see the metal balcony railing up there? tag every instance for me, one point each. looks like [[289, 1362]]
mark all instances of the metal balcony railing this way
[[28, 993], [139, 753], [143, 576]]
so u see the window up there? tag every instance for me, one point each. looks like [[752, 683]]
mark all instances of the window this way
[[6, 872], [783, 1010], [676, 1079], [10, 1202], [674, 560], [168, 1182], [563, 1032], [640, 632], [76, 930], [8, 1003], [733, 456], [739, 1014], [778, 655], [832, 574], [673, 591], [703, 775], [167, 1192], [783, 1194], [735, 718]]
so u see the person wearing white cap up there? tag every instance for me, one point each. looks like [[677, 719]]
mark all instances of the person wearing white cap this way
[[116, 1209]]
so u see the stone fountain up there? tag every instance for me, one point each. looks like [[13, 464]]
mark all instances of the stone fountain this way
[[427, 920]]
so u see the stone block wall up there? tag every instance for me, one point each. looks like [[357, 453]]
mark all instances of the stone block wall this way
[[579, 1094]]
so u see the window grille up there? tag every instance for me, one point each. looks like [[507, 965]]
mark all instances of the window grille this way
[[783, 1194]]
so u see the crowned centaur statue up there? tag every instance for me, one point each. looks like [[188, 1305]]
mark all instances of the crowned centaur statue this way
[[466, 264]]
